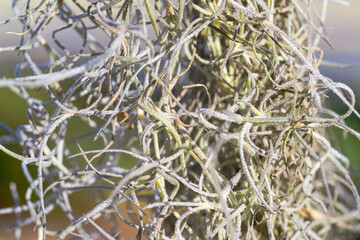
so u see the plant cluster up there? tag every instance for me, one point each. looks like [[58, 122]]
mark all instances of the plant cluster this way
[[220, 103]]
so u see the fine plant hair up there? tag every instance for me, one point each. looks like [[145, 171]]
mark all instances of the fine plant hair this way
[[199, 120]]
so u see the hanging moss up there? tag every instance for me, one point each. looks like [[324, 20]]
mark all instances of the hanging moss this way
[[219, 104]]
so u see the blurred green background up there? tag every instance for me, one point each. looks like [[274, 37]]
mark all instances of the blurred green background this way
[[344, 33]]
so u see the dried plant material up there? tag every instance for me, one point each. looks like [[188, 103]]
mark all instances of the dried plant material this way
[[183, 119]]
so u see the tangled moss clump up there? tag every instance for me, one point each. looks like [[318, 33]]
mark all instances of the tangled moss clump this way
[[220, 103]]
